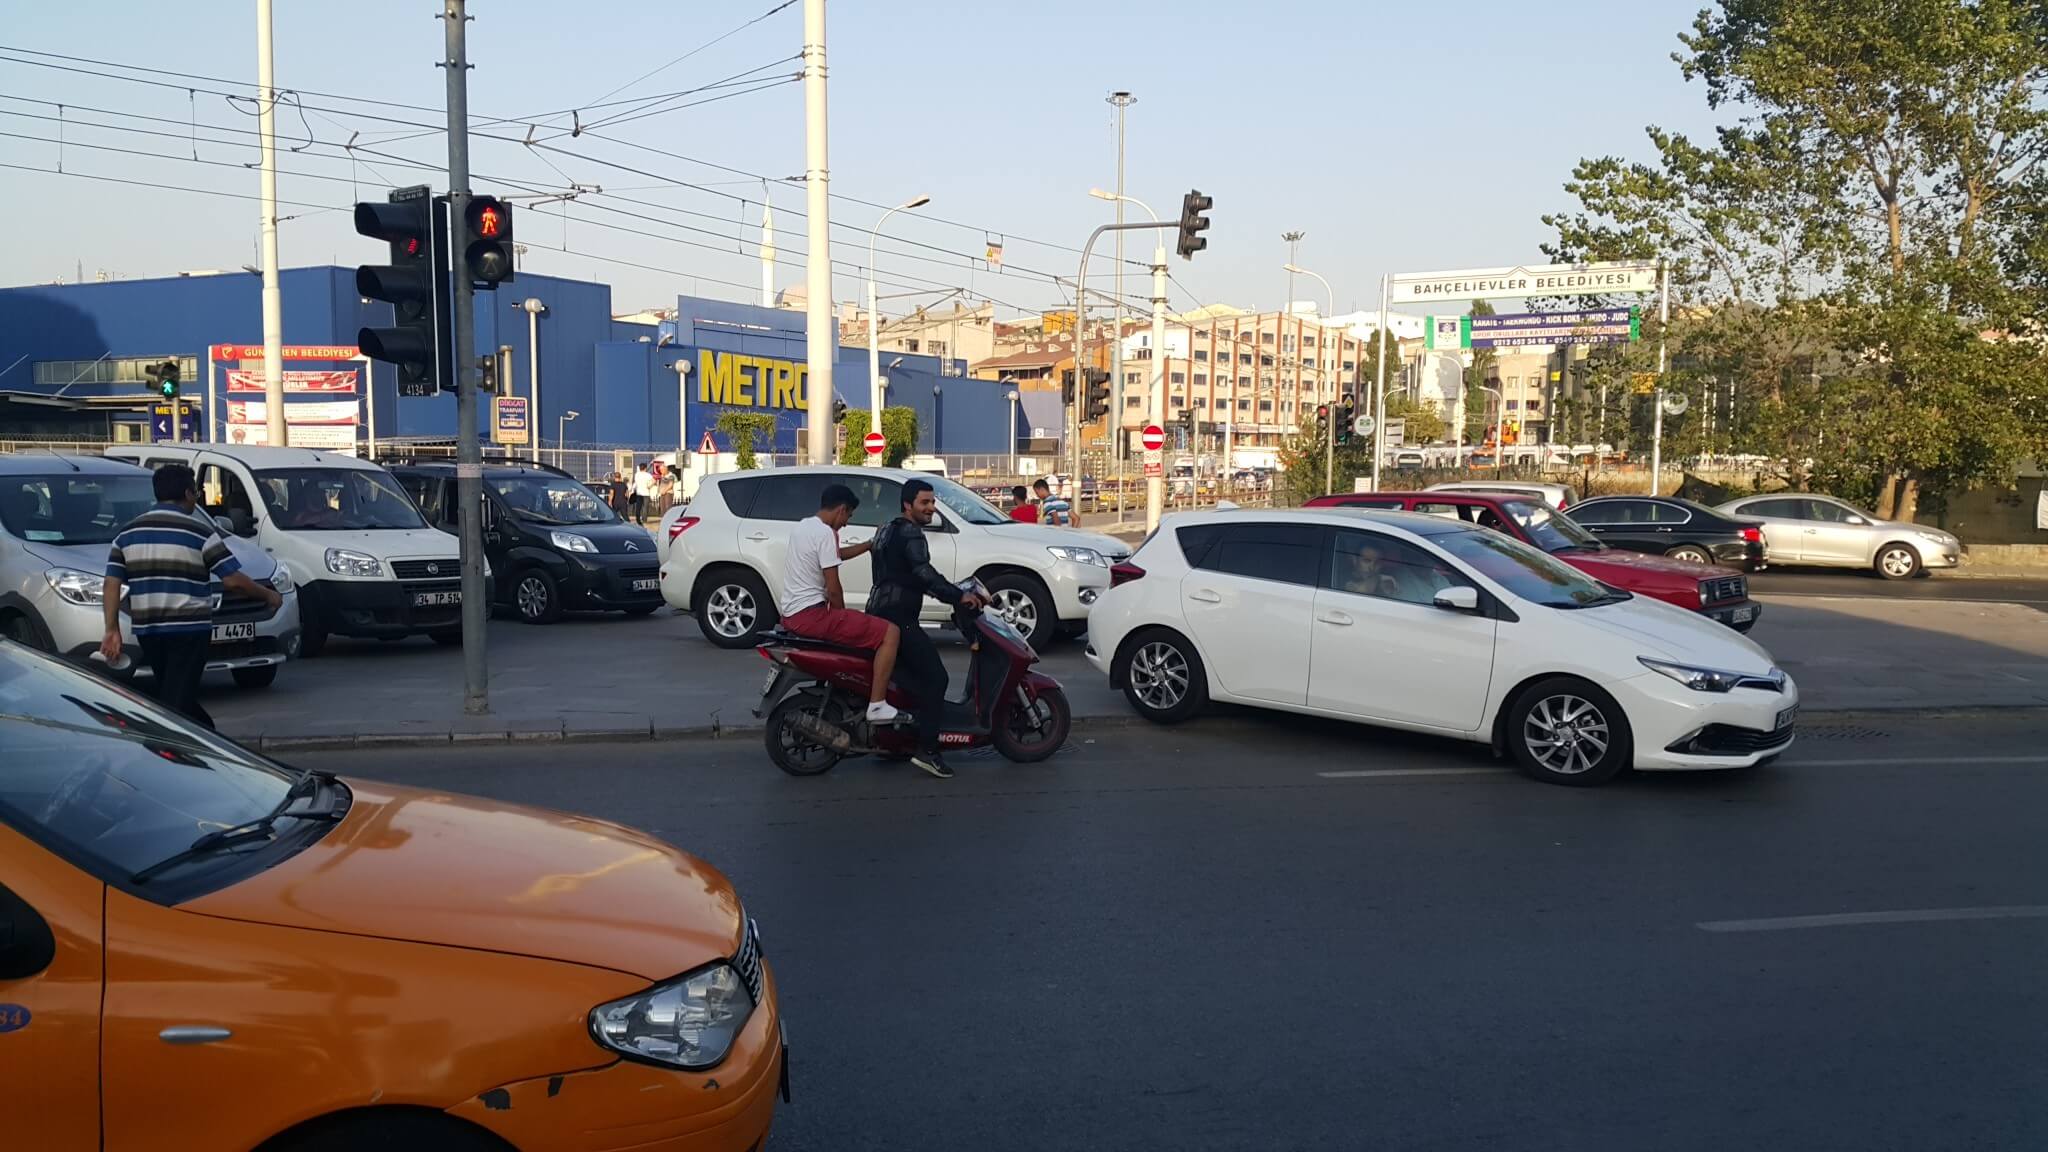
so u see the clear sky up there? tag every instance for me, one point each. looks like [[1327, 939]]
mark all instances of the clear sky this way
[[1398, 137]]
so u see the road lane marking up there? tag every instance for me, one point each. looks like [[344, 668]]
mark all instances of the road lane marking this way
[[1931, 758], [1378, 772], [1851, 919]]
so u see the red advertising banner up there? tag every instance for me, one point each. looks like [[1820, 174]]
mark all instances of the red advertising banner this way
[[329, 352], [341, 383]]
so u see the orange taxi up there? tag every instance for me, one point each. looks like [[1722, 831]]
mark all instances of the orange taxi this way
[[203, 950]]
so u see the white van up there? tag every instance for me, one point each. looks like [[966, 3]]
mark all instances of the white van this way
[[366, 562]]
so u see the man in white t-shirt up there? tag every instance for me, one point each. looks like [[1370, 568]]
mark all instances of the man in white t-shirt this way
[[814, 605], [643, 492]]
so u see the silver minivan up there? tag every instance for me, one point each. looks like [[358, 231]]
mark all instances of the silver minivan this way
[[58, 514]]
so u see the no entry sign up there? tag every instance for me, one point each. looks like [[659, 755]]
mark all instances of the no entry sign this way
[[1154, 439], [874, 442]]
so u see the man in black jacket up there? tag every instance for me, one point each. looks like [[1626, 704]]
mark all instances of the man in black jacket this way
[[904, 576]]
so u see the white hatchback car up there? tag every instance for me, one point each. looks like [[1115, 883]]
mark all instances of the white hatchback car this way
[[727, 550], [1433, 625]]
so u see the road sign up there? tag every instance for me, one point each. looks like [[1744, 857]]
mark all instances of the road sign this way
[[1153, 439], [1643, 383], [160, 423], [1362, 426], [1613, 278], [707, 446], [509, 423], [1675, 403], [875, 443], [1394, 433], [1527, 329]]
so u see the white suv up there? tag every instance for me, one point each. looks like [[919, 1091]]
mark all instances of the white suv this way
[[726, 552]]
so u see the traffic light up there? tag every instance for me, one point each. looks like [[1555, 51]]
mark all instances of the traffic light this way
[[1096, 405], [487, 375], [487, 242], [1322, 418], [1067, 387], [415, 284], [164, 377], [1193, 223], [1346, 413]]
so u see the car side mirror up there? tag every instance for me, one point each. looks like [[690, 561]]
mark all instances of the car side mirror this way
[[1857, 520], [1463, 598], [225, 526], [26, 943]]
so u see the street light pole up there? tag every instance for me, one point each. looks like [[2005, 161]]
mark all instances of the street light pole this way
[[1330, 425], [562, 434], [533, 309], [1012, 397], [875, 382], [1073, 416], [821, 335], [1121, 100]]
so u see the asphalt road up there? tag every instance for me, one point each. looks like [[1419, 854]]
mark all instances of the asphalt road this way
[[1940, 586], [1192, 938]]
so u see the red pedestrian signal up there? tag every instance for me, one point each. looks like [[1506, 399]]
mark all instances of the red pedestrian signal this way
[[487, 242]]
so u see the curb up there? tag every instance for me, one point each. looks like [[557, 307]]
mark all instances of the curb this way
[[1834, 717]]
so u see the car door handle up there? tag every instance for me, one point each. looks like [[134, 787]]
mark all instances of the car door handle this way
[[1811, 531], [1203, 595], [1337, 618], [187, 1034], [758, 536]]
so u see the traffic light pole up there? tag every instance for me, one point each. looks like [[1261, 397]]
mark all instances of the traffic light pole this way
[[1075, 409], [468, 451], [1155, 405]]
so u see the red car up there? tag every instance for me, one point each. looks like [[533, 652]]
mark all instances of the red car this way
[[1702, 588]]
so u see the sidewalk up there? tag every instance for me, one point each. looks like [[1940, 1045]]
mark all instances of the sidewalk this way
[[609, 678]]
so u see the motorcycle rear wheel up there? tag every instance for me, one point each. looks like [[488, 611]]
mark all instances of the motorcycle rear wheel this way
[[791, 750], [1028, 732]]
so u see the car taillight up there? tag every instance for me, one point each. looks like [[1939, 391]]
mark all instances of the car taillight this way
[[676, 529], [1124, 573], [1753, 534]]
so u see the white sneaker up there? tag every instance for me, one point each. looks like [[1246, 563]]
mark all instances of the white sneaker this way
[[881, 712]]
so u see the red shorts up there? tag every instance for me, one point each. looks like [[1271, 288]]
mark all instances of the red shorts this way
[[839, 626]]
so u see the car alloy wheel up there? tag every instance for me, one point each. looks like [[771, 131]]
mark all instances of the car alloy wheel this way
[[533, 598], [1566, 734], [1159, 676], [1016, 609], [1898, 561], [731, 611], [1691, 553]]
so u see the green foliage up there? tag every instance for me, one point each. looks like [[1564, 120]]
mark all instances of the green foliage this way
[[1859, 258], [899, 430], [1425, 424], [744, 429], [1302, 461]]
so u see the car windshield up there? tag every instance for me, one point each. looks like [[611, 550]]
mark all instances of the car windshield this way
[[1533, 575], [72, 507], [1549, 530], [111, 778], [551, 500], [336, 499], [963, 503]]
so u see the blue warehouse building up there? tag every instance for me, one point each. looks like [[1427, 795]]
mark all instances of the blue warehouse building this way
[[74, 349]]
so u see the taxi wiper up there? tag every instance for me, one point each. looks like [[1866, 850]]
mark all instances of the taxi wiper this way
[[222, 838]]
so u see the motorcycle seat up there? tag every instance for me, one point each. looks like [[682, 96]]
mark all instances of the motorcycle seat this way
[[781, 638]]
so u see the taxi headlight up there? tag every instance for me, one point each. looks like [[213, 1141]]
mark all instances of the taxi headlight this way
[[689, 1022]]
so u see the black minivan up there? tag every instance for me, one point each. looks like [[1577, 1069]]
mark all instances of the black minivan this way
[[554, 545]]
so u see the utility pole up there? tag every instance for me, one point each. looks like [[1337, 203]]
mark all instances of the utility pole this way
[[821, 334], [767, 249], [273, 294], [1155, 408], [469, 470], [1657, 393], [1121, 100]]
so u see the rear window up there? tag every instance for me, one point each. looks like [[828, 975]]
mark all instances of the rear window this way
[[1284, 553], [738, 493]]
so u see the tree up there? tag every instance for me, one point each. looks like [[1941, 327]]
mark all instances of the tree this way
[[1875, 218], [743, 429], [899, 431], [1425, 425]]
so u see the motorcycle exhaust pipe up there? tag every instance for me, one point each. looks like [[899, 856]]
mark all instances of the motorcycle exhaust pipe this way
[[813, 727]]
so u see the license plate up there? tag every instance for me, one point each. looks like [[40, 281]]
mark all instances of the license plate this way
[[1745, 614], [1786, 716], [646, 585], [435, 599], [768, 684], [229, 633]]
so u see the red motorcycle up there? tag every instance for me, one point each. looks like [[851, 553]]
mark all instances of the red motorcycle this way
[[816, 699]]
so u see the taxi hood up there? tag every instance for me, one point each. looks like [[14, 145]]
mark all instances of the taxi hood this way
[[439, 868]]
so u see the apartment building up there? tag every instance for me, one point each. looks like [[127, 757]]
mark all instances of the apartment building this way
[[959, 333], [1258, 372]]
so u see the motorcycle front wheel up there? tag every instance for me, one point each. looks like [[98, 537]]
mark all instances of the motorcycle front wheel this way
[[1029, 731], [791, 750]]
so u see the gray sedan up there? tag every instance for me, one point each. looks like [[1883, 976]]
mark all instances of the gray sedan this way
[[1807, 528]]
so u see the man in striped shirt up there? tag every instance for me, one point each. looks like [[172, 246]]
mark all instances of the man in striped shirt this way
[[168, 557]]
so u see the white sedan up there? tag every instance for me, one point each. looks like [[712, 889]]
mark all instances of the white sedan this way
[[1432, 625]]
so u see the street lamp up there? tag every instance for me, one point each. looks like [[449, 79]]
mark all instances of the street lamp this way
[[562, 433], [1327, 290], [534, 309], [1499, 422], [1330, 427], [1012, 397], [875, 381], [1115, 423], [682, 419]]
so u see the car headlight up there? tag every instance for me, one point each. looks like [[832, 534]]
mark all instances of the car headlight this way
[[281, 580], [76, 586], [1088, 556], [571, 542], [345, 562], [689, 1022], [1697, 679], [1943, 539]]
